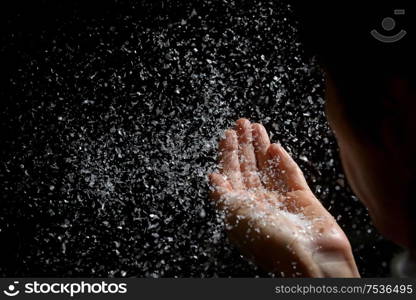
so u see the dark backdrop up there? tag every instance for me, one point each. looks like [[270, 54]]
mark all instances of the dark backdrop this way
[[110, 114]]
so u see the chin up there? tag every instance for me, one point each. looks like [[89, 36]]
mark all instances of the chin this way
[[397, 229]]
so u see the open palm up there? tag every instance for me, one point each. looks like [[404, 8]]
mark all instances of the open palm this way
[[271, 214]]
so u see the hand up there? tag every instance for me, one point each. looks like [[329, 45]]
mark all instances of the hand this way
[[271, 214]]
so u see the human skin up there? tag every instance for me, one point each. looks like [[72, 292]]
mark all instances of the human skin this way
[[381, 172], [270, 212]]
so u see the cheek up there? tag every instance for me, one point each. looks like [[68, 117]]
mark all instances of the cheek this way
[[335, 117], [333, 110], [357, 179], [347, 143], [350, 172], [328, 113]]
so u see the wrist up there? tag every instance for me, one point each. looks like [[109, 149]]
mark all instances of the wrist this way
[[336, 262]]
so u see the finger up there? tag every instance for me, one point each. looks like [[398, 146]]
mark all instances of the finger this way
[[261, 143], [248, 163], [229, 162], [220, 186], [289, 172], [227, 199]]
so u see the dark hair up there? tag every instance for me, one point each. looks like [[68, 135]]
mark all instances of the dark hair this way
[[362, 67]]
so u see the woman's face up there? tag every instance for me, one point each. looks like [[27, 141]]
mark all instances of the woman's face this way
[[375, 175]]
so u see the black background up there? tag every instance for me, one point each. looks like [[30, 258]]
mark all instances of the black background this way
[[92, 97]]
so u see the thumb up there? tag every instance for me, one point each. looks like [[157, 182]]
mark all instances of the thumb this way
[[292, 174]]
